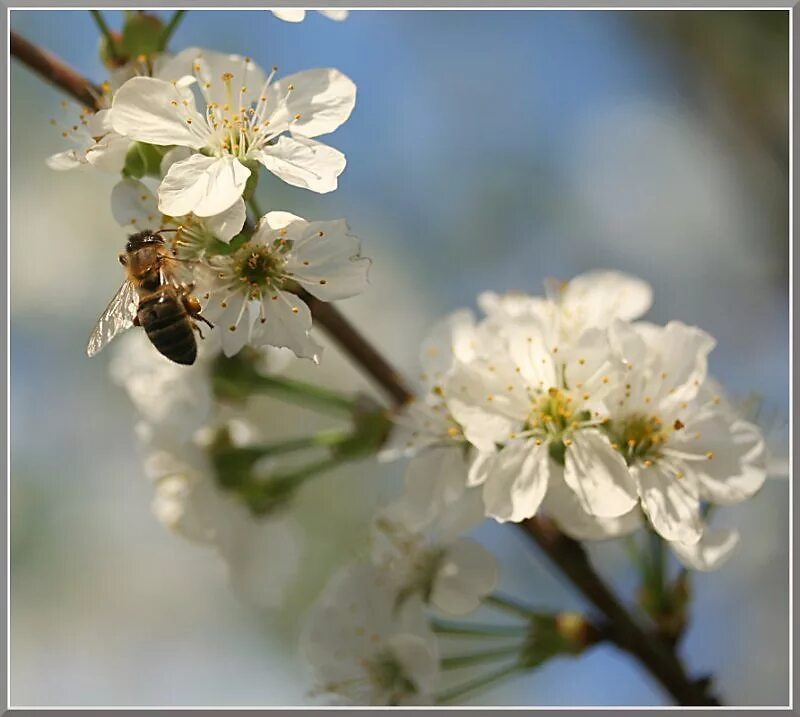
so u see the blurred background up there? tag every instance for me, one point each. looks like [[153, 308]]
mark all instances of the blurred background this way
[[488, 150]]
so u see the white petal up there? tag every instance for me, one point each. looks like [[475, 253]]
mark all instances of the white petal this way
[[134, 206], [303, 163], [563, 506], [326, 260], [323, 99], [708, 553], [672, 504], [599, 296], [738, 464], [142, 109], [202, 185], [233, 320], [109, 152], [517, 481], [171, 156], [227, 225], [467, 574], [335, 14], [69, 159], [289, 14], [287, 322], [598, 475], [273, 221]]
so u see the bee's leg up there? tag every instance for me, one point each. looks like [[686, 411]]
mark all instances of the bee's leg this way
[[197, 328], [193, 308]]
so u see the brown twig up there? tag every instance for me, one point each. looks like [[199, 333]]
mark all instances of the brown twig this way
[[358, 348], [566, 554], [570, 558], [55, 71]]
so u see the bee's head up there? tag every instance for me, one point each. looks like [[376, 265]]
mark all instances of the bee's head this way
[[142, 239]]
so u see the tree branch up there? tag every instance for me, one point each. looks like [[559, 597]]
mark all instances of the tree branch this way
[[55, 71], [570, 558], [566, 554]]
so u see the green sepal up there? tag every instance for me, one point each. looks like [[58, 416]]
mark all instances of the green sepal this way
[[142, 34], [143, 159]]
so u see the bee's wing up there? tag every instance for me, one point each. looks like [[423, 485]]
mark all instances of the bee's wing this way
[[117, 317]]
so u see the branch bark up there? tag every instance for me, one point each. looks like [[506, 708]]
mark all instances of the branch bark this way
[[570, 558], [567, 555], [55, 71]]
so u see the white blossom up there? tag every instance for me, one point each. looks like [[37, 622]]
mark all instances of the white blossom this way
[[248, 120], [363, 648], [262, 552], [683, 444], [250, 301]]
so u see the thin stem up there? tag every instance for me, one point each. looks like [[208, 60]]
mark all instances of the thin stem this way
[[299, 392], [106, 31], [172, 25], [321, 439], [479, 683], [474, 658], [475, 629], [303, 473], [657, 568], [510, 605], [252, 202]]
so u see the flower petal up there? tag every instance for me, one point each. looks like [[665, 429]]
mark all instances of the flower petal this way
[[326, 260], [732, 454], [289, 14], [671, 503], [68, 159], [323, 99], [708, 553], [156, 112], [109, 152], [134, 206], [285, 321], [517, 481], [229, 223], [303, 163], [202, 185], [598, 475]]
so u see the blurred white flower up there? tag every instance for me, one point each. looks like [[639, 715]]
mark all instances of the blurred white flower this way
[[248, 120], [590, 300], [450, 574], [437, 479], [174, 400], [249, 300], [262, 552], [291, 14], [363, 648]]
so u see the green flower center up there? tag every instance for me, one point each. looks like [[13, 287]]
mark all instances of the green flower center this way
[[260, 267], [640, 437], [386, 672]]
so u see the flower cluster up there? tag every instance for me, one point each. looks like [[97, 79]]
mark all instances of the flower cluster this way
[[566, 404], [194, 172]]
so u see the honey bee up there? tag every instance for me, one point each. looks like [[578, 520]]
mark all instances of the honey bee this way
[[152, 297]]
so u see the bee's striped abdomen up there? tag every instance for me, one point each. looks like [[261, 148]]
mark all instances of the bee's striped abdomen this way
[[164, 319]]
